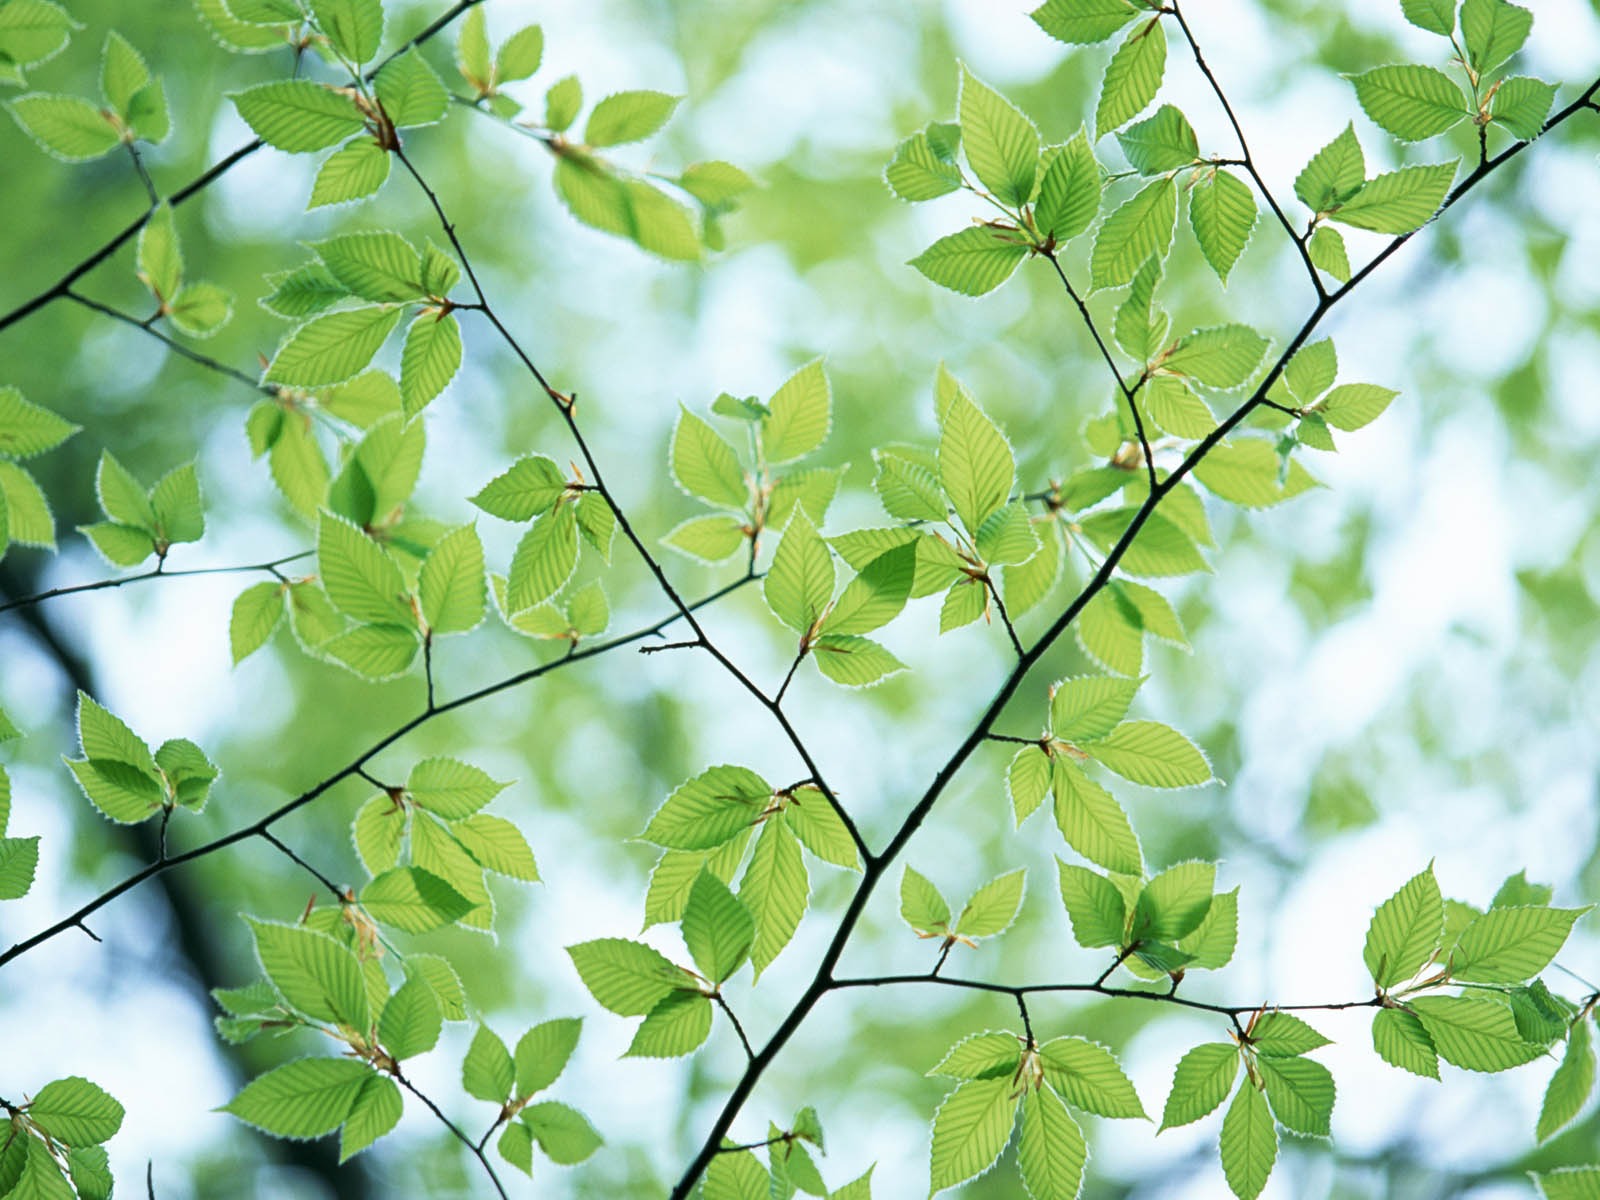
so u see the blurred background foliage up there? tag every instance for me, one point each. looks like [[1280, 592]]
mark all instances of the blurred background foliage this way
[[1398, 667]]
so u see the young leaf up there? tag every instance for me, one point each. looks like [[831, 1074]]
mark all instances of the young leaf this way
[[563, 1133], [973, 262], [921, 905], [1095, 906], [297, 115], [1051, 1151], [377, 1110], [1521, 105], [1405, 931], [1089, 707], [71, 129], [1400, 201], [488, 1072], [1153, 754], [413, 900], [717, 928], [1132, 78], [775, 889], [1069, 192], [1175, 902], [315, 974], [1140, 228], [628, 978], [970, 1130], [306, 1098], [1571, 1084], [1163, 141], [704, 465], [676, 1026], [1436, 16], [543, 1053], [1222, 213], [1401, 1041], [1328, 253], [360, 576], [1509, 945], [799, 584], [1474, 1034], [1001, 143], [332, 348], [1281, 1035], [1493, 31], [709, 809], [1088, 1077], [1413, 103], [628, 117], [1202, 1081], [1334, 174], [411, 92], [411, 1020], [1222, 357], [355, 27], [981, 1056], [976, 468], [1301, 1093], [992, 907], [799, 415], [75, 1111], [1249, 1143], [1083, 22], [1091, 820], [530, 487]]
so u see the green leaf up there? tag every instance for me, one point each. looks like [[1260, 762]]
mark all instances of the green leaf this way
[[1474, 1034], [704, 465], [1132, 78], [628, 978], [924, 165], [1001, 143], [1249, 472], [820, 828], [1028, 781], [1412, 103], [377, 1110], [736, 1175], [1509, 945], [520, 55], [411, 1021], [1091, 820], [1222, 213], [800, 415], [27, 516], [1569, 1183], [121, 791], [1301, 1093], [561, 104], [993, 907], [1175, 902], [543, 1053], [1223, 357], [981, 1056], [1405, 931], [379, 826], [1400, 201], [374, 651], [1171, 405], [313, 972], [90, 1171], [1088, 1077], [332, 348], [563, 1133], [200, 309], [360, 576], [1083, 22], [1571, 1084], [122, 497], [1328, 253], [775, 890], [1353, 405], [1281, 1035], [1095, 906], [877, 595], [628, 117], [1163, 141], [103, 735], [26, 429], [970, 1130], [176, 505], [1152, 754], [529, 488], [450, 585], [1089, 707], [799, 585], [1493, 31], [976, 468], [488, 1072], [1521, 105], [376, 265], [709, 809], [71, 129], [306, 1098], [1212, 942], [1051, 1152], [451, 788], [75, 1111], [1400, 1040], [357, 169], [544, 560], [1334, 174], [718, 930], [973, 262], [1069, 192], [413, 900], [497, 845], [354, 27], [676, 1026], [122, 73], [19, 860], [297, 115], [411, 92], [712, 539], [853, 661], [159, 259], [1436, 16], [1249, 1143], [1202, 1081], [1139, 229], [921, 905]]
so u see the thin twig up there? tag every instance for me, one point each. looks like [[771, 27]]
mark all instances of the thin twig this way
[[455, 1132], [722, 1003], [177, 347], [270, 568]]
